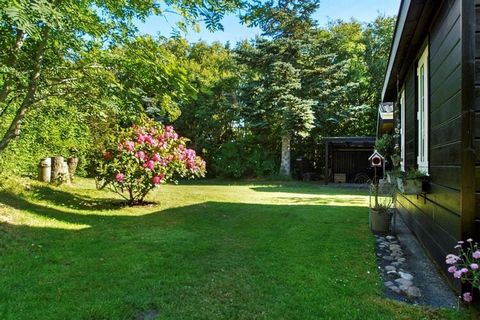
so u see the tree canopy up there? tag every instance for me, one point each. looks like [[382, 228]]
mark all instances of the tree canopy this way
[[72, 71]]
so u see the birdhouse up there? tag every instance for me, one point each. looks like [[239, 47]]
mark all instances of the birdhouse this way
[[376, 159]]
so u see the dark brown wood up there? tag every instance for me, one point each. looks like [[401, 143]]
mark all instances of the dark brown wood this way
[[447, 154], [469, 16], [327, 163], [477, 98], [446, 176], [448, 88], [477, 18], [477, 45], [445, 133], [477, 125], [477, 183], [446, 110]]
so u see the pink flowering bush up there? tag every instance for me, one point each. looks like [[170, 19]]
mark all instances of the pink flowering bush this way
[[143, 157], [466, 265]]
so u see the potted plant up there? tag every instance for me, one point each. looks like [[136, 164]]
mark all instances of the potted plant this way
[[412, 182], [381, 211]]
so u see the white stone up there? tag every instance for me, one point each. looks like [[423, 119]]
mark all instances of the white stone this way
[[406, 276], [394, 289], [390, 238], [404, 282], [390, 268], [413, 292], [388, 283]]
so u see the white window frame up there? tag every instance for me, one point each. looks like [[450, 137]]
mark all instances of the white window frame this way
[[402, 130], [422, 114]]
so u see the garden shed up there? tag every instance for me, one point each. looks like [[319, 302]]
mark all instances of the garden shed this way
[[346, 159]]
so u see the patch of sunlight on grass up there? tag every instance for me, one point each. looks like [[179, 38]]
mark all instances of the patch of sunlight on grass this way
[[23, 218], [326, 200]]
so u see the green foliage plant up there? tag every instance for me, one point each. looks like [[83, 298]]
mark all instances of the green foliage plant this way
[[144, 156], [384, 145]]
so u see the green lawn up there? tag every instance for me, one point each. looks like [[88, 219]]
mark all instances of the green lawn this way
[[204, 251]]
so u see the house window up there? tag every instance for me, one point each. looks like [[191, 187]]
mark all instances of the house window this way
[[402, 130], [422, 114]]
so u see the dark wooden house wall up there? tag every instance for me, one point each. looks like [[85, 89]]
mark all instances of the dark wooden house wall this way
[[477, 106], [436, 217]]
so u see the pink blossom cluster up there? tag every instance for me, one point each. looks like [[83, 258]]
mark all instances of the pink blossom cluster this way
[[465, 265], [146, 156]]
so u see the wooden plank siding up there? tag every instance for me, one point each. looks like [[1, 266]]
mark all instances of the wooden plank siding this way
[[477, 105], [436, 217]]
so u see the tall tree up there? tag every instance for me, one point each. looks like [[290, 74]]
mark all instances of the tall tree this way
[[40, 37], [279, 63]]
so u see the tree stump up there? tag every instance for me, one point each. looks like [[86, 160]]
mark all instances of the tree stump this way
[[45, 170], [72, 167], [57, 169], [65, 175]]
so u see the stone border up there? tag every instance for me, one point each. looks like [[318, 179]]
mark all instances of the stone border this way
[[404, 255], [397, 279]]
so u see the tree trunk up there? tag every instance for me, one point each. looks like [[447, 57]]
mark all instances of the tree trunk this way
[[72, 167], [57, 169], [20, 38], [14, 128], [285, 161]]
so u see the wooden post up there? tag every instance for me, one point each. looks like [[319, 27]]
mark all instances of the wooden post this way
[[326, 162]]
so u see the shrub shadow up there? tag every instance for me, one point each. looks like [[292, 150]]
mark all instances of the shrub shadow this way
[[75, 201]]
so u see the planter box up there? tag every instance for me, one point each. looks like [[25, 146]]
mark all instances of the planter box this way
[[409, 186]]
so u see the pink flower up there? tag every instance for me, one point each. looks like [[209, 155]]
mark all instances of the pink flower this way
[[452, 269], [457, 274], [120, 177], [140, 155], [107, 155], [469, 240], [458, 246], [467, 297], [156, 157], [168, 129], [474, 266], [157, 180], [149, 165], [464, 270], [129, 145], [140, 138], [148, 139], [476, 254], [452, 259], [460, 242]]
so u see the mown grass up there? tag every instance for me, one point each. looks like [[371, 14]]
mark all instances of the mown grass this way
[[207, 250]]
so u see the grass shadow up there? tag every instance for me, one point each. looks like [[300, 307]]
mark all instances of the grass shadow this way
[[75, 201]]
